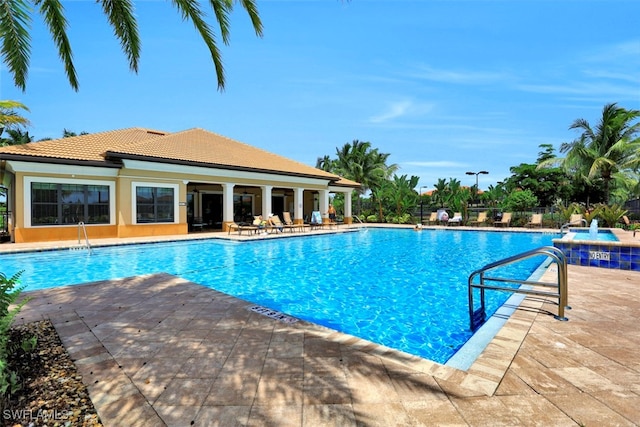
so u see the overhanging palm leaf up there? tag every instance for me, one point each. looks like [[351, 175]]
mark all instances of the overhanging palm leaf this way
[[16, 42], [15, 20], [53, 14]]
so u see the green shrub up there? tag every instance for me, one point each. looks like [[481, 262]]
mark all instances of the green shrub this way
[[608, 216], [9, 295]]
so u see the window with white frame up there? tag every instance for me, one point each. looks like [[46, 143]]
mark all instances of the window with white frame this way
[[155, 203], [69, 203]]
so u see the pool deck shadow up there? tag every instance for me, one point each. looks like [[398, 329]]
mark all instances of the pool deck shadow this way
[[158, 350]]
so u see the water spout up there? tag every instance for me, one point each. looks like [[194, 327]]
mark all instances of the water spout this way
[[593, 230]]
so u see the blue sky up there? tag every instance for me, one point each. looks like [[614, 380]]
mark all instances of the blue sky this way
[[445, 87]]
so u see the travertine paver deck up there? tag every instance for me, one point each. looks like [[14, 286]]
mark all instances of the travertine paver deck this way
[[158, 350]]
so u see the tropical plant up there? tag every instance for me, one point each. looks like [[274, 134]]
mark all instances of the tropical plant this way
[[9, 296], [600, 152], [439, 194], [565, 212], [520, 201], [16, 137], [610, 215], [357, 161], [9, 117], [67, 133], [548, 184], [401, 194], [15, 23]]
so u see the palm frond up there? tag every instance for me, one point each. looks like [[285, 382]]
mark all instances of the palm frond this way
[[252, 9], [15, 19], [125, 27], [190, 9], [53, 14]]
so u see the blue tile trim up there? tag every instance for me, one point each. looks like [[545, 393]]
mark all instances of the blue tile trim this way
[[620, 257]]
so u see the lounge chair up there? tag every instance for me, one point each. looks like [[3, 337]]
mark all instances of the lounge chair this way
[[482, 218], [286, 217], [626, 223], [240, 228], [456, 220], [432, 219], [198, 223], [505, 221], [535, 221], [576, 219], [274, 224]]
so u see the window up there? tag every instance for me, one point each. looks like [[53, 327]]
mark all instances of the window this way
[[155, 204], [63, 204]]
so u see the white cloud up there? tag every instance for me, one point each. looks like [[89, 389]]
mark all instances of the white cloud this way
[[438, 164], [395, 110], [456, 76]]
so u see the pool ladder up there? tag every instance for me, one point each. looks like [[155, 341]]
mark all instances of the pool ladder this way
[[82, 230], [478, 317]]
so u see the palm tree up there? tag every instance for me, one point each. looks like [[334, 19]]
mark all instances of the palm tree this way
[[611, 147], [15, 23], [358, 162], [9, 118], [16, 137], [325, 163]]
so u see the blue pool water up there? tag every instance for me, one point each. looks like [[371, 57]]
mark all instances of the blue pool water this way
[[399, 288], [601, 236]]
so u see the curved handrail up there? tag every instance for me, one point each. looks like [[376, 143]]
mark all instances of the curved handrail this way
[[359, 220], [552, 252], [565, 227], [81, 227]]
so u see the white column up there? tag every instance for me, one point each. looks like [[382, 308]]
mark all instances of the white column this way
[[266, 200], [348, 212], [298, 202], [227, 202], [324, 203]]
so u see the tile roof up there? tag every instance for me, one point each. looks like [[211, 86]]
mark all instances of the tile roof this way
[[190, 147], [90, 147]]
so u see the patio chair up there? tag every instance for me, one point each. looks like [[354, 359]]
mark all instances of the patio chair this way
[[456, 220], [433, 218], [286, 218], [240, 228], [198, 223], [275, 224], [482, 218], [505, 221], [576, 219], [535, 221]]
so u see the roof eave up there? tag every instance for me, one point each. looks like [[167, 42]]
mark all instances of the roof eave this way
[[59, 161], [111, 155]]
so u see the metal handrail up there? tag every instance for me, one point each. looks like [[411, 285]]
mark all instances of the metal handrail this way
[[476, 317], [82, 228], [356, 217], [565, 227]]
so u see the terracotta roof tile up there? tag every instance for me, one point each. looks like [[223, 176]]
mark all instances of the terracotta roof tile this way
[[90, 147], [193, 146], [208, 148]]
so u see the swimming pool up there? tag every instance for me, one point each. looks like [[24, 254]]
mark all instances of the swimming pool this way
[[398, 288]]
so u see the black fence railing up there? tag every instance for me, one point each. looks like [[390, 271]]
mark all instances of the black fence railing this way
[[4, 226]]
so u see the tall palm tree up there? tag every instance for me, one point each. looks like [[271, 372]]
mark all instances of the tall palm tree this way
[[15, 24], [613, 146], [358, 162]]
